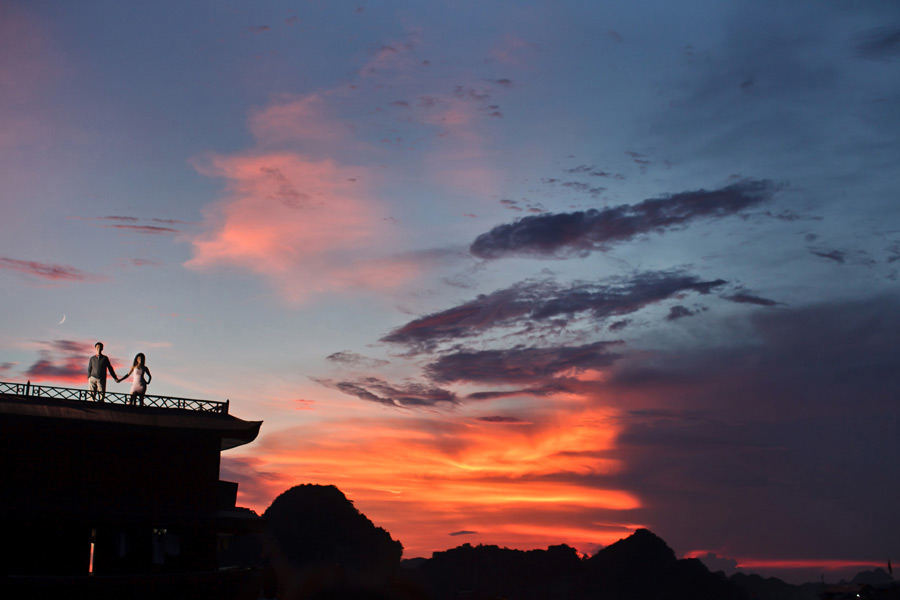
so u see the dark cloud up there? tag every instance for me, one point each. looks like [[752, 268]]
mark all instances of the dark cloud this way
[[593, 172], [118, 218], [579, 233], [503, 420], [802, 417], [879, 44], [373, 389], [530, 304], [893, 253], [546, 367], [619, 325], [151, 229], [520, 364], [515, 205], [70, 347], [61, 360], [747, 298], [464, 532], [6, 368], [469, 93], [47, 271], [678, 312], [833, 255], [126, 222], [353, 359], [841, 257], [171, 221], [639, 159], [791, 216], [70, 370], [578, 186], [539, 391]]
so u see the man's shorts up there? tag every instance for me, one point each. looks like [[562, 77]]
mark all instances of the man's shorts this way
[[97, 385]]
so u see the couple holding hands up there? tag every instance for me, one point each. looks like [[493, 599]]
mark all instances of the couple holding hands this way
[[99, 365]]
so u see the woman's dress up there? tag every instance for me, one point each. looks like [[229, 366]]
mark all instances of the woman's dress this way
[[138, 386]]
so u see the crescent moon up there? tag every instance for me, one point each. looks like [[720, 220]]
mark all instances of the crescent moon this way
[[63, 320]]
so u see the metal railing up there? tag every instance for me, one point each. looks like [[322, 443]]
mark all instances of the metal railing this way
[[84, 395]]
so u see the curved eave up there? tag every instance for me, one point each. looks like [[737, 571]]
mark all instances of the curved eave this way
[[231, 430]]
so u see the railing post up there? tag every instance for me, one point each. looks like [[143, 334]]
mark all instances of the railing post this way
[[28, 388]]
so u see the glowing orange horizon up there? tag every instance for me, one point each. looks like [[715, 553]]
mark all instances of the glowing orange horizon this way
[[827, 564], [437, 483]]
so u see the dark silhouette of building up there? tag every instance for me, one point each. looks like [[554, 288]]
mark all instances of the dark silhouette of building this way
[[116, 500]]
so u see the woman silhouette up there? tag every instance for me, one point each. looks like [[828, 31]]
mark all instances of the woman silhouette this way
[[138, 385]]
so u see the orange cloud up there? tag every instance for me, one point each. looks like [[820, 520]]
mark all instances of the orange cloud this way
[[424, 478]]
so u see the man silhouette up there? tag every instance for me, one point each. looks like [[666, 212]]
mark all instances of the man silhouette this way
[[98, 366]]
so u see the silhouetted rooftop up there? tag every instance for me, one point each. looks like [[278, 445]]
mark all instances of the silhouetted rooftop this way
[[26, 400]]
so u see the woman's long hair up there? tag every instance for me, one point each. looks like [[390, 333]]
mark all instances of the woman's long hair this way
[[143, 359]]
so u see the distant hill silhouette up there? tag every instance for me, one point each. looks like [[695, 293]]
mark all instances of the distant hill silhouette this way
[[639, 567], [644, 566], [772, 588], [321, 546], [318, 545], [493, 572], [875, 577]]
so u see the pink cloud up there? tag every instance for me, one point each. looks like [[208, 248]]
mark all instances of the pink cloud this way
[[308, 225], [62, 361], [308, 221], [69, 370], [6, 368], [459, 159], [296, 120]]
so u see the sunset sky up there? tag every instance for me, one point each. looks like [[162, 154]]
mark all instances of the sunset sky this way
[[510, 272]]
